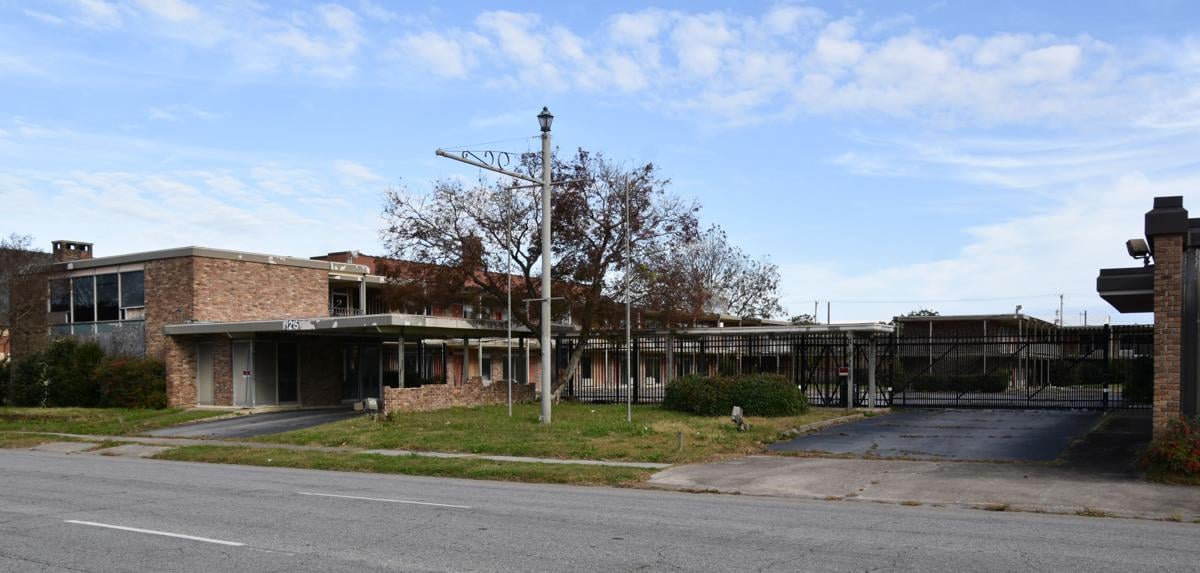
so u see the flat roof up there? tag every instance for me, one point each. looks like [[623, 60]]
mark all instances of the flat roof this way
[[193, 251], [441, 326], [393, 324], [1015, 317]]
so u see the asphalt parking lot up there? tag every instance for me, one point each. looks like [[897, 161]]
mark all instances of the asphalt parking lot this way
[[1001, 435]]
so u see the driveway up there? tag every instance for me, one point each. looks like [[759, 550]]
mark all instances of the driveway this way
[[986, 435], [252, 425]]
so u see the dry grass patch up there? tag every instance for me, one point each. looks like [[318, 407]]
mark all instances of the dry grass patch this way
[[411, 465]]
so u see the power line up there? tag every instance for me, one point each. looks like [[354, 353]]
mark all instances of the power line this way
[[947, 300], [464, 146]]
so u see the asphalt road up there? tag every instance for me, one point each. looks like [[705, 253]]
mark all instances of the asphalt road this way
[[61, 513], [1008, 435], [255, 424]]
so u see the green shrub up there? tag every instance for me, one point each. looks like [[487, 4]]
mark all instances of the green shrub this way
[[5, 374], [1176, 455], [757, 394], [132, 382], [69, 373], [996, 381], [27, 382]]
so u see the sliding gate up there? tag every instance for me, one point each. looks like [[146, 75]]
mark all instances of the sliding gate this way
[[1058, 368]]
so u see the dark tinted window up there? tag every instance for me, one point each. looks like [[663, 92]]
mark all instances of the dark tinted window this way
[[107, 304], [84, 291], [133, 289], [60, 295]]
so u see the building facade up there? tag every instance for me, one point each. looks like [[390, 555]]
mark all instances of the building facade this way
[[244, 329]]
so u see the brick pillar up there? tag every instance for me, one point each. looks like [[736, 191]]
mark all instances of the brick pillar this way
[[1168, 322]]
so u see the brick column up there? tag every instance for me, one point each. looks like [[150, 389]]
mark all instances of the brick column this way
[[1168, 322]]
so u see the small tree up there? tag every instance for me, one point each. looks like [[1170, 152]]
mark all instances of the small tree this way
[[923, 312], [23, 292], [803, 319], [708, 276]]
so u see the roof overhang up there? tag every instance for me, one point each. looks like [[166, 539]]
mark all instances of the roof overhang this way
[[1128, 289], [373, 324], [863, 328]]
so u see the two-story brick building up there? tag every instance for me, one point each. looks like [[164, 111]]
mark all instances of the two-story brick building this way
[[247, 329]]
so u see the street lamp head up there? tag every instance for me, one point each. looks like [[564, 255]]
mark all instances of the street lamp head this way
[[545, 119]]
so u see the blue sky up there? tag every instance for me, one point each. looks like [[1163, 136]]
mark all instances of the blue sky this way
[[962, 156]]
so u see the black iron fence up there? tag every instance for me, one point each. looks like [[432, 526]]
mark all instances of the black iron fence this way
[[1096, 367]]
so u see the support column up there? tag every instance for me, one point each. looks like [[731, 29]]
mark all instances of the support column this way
[[670, 373], [1165, 228], [871, 374], [400, 374], [362, 295]]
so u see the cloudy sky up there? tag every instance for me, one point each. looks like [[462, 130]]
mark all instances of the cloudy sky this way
[[961, 156]]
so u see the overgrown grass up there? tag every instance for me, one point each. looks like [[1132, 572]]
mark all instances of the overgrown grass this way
[[410, 465], [579, 431], [100, 421], [1163, 476]]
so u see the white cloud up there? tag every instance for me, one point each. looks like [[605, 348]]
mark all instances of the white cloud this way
[[355, 172], [1055, 248], [175, 112], [437, 53], [171, 10], [45, 18], [97, 14]]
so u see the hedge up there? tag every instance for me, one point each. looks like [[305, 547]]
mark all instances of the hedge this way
[[73, 374], [996, 381], [757, 394]]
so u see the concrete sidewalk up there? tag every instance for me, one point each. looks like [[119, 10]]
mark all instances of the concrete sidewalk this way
[[1023, 487], [178, 442]]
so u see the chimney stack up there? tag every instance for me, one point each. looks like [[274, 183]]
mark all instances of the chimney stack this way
[[65, 251]]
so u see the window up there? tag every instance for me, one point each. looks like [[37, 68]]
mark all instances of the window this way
[[107, 298], [133, 289], [485, 368], [83, 290], [468, 311], [60, 295]]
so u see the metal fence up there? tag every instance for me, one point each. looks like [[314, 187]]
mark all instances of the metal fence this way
[[1093, 368]]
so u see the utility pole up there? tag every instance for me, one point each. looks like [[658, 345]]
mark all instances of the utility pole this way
[[544, 120], [816, 312], [828, 313], [496, 161], [1061, 322], [628, 317]]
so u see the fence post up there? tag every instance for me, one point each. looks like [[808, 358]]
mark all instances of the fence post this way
[[570, 378], [894, 342], [1107, 339], [637, 370], [670, 373]]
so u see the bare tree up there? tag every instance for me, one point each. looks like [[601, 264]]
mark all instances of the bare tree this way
[[708, 276], [458, 240], [23, 290]]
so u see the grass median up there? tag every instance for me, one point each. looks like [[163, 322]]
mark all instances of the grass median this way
[[97, 421], [411, 465], [579, 431]]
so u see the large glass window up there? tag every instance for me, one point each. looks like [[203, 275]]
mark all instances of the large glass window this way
[[84, 294], [107, 298], [60, 295], [133, 293]]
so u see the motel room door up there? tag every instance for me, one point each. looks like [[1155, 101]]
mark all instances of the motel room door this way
[[204, 374]]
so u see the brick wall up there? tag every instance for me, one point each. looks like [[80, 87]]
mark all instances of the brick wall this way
[[228, 290], [441, 396], [1168, 322], [201, 288]]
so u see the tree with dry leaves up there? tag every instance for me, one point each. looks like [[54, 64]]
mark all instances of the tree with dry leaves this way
[[459, 241], [23, 292]]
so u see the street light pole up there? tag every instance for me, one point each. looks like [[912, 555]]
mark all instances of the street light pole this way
[[508, 312], [629, 375], [545, 120]]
